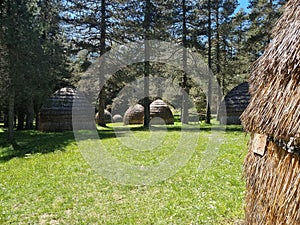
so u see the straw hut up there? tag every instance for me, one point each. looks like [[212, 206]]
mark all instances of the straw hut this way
[[234, 104], [117, 118], [159, 109], [56, 114], [272, 165], [107, 117], [134, 115]]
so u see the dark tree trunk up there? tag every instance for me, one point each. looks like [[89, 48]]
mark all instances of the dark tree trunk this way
[[101, 116], [11, 115], [218, 59], [208, 100], [21, 119], [146, 100], [147, 64], [29, 115], [101, 105], [5, 119], [36, 107], [184, 86], [37, 121]]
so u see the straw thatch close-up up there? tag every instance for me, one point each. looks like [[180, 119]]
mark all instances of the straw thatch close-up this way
[[159, 109], [234, 104], [274, 82], [56, 113], [273, 185], [134, 115], [107, 117], [272, 165]]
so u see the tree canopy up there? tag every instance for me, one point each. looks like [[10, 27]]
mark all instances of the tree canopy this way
[[48, 44]]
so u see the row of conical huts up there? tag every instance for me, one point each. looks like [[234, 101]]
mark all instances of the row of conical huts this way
[[56, 113], [272, 117], [158, 109]]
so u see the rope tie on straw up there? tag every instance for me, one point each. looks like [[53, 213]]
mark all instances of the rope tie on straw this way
[[289, 146]]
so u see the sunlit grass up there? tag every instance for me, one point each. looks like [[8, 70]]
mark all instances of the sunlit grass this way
[[53, 184]]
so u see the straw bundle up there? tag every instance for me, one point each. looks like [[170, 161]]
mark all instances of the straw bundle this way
[[234, 104], [56, 113], [134, 115], [272, 165], [159, 109]]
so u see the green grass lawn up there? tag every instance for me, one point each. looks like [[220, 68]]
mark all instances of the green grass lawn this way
[[45, 180]]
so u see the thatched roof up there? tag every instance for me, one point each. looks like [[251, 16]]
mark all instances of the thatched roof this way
[[134, 115], [159, 109], [234, 104], [56, 113], [274, 108]]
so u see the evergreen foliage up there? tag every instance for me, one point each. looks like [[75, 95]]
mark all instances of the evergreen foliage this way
[[48, 44]]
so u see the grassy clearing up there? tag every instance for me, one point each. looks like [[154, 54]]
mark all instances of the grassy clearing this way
[[45, 180]]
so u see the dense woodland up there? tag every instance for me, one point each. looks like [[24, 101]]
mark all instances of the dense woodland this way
[[49, 44]]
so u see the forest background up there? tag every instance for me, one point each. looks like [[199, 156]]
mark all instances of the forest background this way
[[49, 44]]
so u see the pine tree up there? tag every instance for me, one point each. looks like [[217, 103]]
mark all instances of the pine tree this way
[[15, 42], [144, 21], [263, 14], [216, 17], [31, 54], [89, 26]]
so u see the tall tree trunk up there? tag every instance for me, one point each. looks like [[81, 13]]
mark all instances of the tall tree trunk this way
[[37, 121], [21, 118], [185, 91], [208, 97], [146, 100], [6, 119], [218, 60], [36, 107], [29, 114], [101, 108], [11, 114], [101, 105]]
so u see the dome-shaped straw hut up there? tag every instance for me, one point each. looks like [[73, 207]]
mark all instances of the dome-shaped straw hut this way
[[56, 113], [159, 109], [272, 165], [134, 115], [117, 118], [107, 117], [234, 104]]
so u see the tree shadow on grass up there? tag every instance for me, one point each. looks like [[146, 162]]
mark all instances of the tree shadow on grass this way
[[32, 142], [193, 127]]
